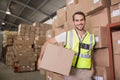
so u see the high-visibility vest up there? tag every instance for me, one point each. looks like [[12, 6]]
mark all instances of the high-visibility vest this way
[[83, 49]]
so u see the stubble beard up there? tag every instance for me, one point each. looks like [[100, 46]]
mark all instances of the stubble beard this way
[[80, 29]]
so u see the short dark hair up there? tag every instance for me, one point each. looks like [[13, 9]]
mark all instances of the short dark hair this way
[[80, 13]]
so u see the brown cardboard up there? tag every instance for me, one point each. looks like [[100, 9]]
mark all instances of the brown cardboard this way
[[57, 59], [59, 30], [101, 57], [55, 23], [100, 36], [100, 18], [117, 66], [50, 34], [103, 72], [58, 76], [49, 75], [116, 42], [113, 2], [40, 40], [61, 16], [53, 76], [115, 13], [94, 5]]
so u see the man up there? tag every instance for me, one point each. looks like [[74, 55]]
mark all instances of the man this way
[[82, 43]]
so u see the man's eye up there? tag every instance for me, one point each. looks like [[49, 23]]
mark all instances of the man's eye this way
[[76, 20]]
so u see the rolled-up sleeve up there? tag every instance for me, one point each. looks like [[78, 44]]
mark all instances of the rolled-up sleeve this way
[[61, 37]]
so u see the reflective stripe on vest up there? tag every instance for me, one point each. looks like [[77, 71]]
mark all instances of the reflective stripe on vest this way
[[71, 40], [83, 55], [91, 41]]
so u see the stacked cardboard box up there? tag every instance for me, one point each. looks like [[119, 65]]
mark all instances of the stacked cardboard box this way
[[113, 2], [115, 12], [53, 76], [117, 66], [101, 57], [9, 56], [50, 34], [26, 32], [93, 5], [40, 35], [26, 61], [28, 44], [116, 53], [25, 56], [8, 37], [102, 73], [61, 16], [100, 36], [116, 42]]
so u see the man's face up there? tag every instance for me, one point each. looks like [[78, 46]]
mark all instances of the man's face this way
[[79, 22]]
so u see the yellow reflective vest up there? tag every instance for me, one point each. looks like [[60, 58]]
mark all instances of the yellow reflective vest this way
[[83, 49]]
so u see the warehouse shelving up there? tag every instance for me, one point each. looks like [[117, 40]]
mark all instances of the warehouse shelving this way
[[110, 28]]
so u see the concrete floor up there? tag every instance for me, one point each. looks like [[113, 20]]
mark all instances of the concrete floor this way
[[6, 73]]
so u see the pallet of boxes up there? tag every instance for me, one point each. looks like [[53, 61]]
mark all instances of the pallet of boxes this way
[[7, 47], [25, 56], [27, 46]]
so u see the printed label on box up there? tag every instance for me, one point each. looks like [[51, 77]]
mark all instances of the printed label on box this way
[[98, 78], [96, 38], [118, 41], [115, 13]]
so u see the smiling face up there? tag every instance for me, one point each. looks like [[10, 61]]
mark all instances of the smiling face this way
[[79, 22]]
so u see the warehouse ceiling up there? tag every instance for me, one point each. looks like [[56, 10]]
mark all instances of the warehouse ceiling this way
[[27, 11]]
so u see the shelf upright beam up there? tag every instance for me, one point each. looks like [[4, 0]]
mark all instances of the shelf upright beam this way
[[110, 48]]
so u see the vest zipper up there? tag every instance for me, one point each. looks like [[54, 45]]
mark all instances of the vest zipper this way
[[79, 48]]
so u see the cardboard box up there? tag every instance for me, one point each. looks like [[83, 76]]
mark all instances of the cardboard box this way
[[94, 5], [101, 57], [113, 2], [53, 76], [61, 16], [50, 34], [117, 66], [59, 30], [100, 36], [115, 13], [102, 73], [57, 59], [21, 27], [100, 18], [116, 42]]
